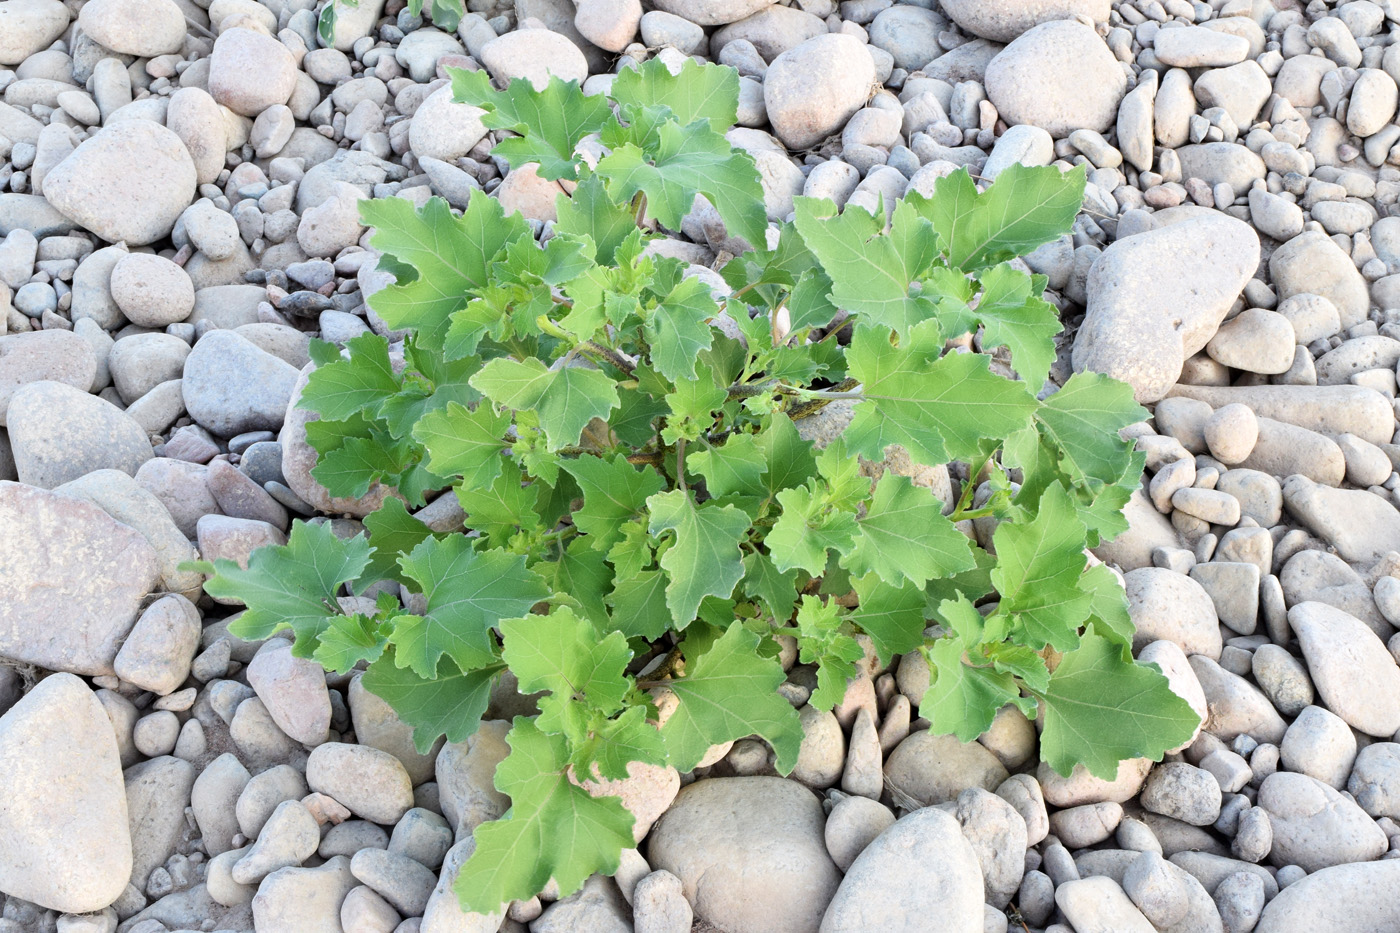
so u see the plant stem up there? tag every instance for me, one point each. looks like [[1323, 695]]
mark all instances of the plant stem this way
[[680, 463]]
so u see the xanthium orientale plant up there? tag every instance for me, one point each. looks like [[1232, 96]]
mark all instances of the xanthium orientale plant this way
[[646, 527], [445, 14]]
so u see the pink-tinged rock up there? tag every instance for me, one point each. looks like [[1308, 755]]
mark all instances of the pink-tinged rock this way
[[293, 690]]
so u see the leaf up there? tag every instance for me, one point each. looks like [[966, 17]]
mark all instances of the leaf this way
[[466, 443], [1102, 708], [339, 389], [729, 692], [294, 585], [1083, 419], [687, 161], [614, 491], [451, 256], [449, 704], [678, 329], [582, 574], [349, 640], [705, 559], [1109, 607], [497, 511], [590, 212], [808, 527], [891, 614], [1038, 569], [733, 467], [393, 532], [351, 468], [871, 272], [824, 640], [563, 654], [638, 604], [554, 828], [549, 123], [1012, 314], [938, 409], [565, 399], [963, 700], [905, 536], [776, 588], [467, 592], [697, 92], [1024, 208], [692, 406], [789, 460]]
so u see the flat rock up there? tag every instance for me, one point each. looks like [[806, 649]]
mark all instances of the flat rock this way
[[920, 867], [713, 12], [143, 28], [1140, 324], [750, 854], [1340, 899], [44, 355], [1316, 827], [59, 433], [64, 802], [127, 182], [73, 583], [1327, 410]]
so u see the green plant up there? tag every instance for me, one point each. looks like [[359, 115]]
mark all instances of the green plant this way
[[645, 522], [446, 14]]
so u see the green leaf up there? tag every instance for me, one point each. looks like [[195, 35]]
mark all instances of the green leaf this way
[[393, 532], [705, 559], [638, 604], [294, 585], [963, 700], [449, 703], [614, 491], [590, 212], [939, 409], [824, 640], [905, 536], [351, 468], [345, 387], [565, 399], [554, 828], [687, 161], [1083, 420], [468, 592], [549, 123], [697, 92], [692, 406], [563, 654], [451, 256], [464, 443], [1012, 314], [729, 692], [891, 614], [678, 329], [1039, 566], [789, 460], [777, 589], [1101, 708], [582, 574], [496, 511], [870, 271], [736, 466], [349, 640], [1023, 209], [1109, 608], [808, 527]]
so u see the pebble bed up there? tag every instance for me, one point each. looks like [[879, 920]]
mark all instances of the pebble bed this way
[[180, 184]]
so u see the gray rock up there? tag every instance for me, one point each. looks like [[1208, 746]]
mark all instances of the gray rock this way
[[1314, 826], [659, 905], [231, 385], [73, 584], [1236, 706], [423, 836], [371, 784], [1182, 792], [1155, 889], [444, 913], [66, 804], [293, 690], [299, 458], [214, 798], [466, 777], [1059, 76], [28, 26], [128, 182], [756, 842], [156, 656], [811, 90], [401, 881], [1311, 263], [59, 433], [1340, 899], [918, 868], [1173, 607], [288, 838], [44, 355], [1361, 527], [927, 769], [250, 71], [997, 833], [377, 725], [157, 793], [304, 899], [1320, 745], [1356, 677], [1002, 22], [1098, 905], [263, 793], [1375, 779], [853, 824]]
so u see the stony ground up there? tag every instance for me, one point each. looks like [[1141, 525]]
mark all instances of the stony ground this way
[[178, 204]]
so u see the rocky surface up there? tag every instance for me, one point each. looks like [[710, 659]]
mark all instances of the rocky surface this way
[[179, 193]]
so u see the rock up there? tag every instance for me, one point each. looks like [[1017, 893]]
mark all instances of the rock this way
[[266, 791], [231, 385], [536, 55], [1135, 325], [1361, 528], [363, 911], [1319, 744], [1173, 607], [28, 26], [156, 656], [466, 777], [997, 834], [659, 905], [1241, 90], [128, 182], [918, 868], [141, 362], [609, 24], [1314, 826], [1059, 76], [646, 792], [423, 836], [143, 28], [1356, 677], [332, 225], [1222, 164], [1081, 787], [909, 34], [179, 486], [1197, 46], [756, 843], [1236, 707], [304, 899], [1003, 22], [853, 824], [713, 12], [371, 783], [1256, 341], [151, 290], [810, 91], [1324, 409], [1182, 792], [1154, 887], [213, 799], [65, 803], [1375, 779], [1098, 905], [1312, 264], [823, 751], [293, 690], [1340, 899], [401, 881], [444, 913], [377, 725], [928, 769], [250, 71], [443, 129], [157, 793], [44, 355], [73, 582], [299, 458]]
